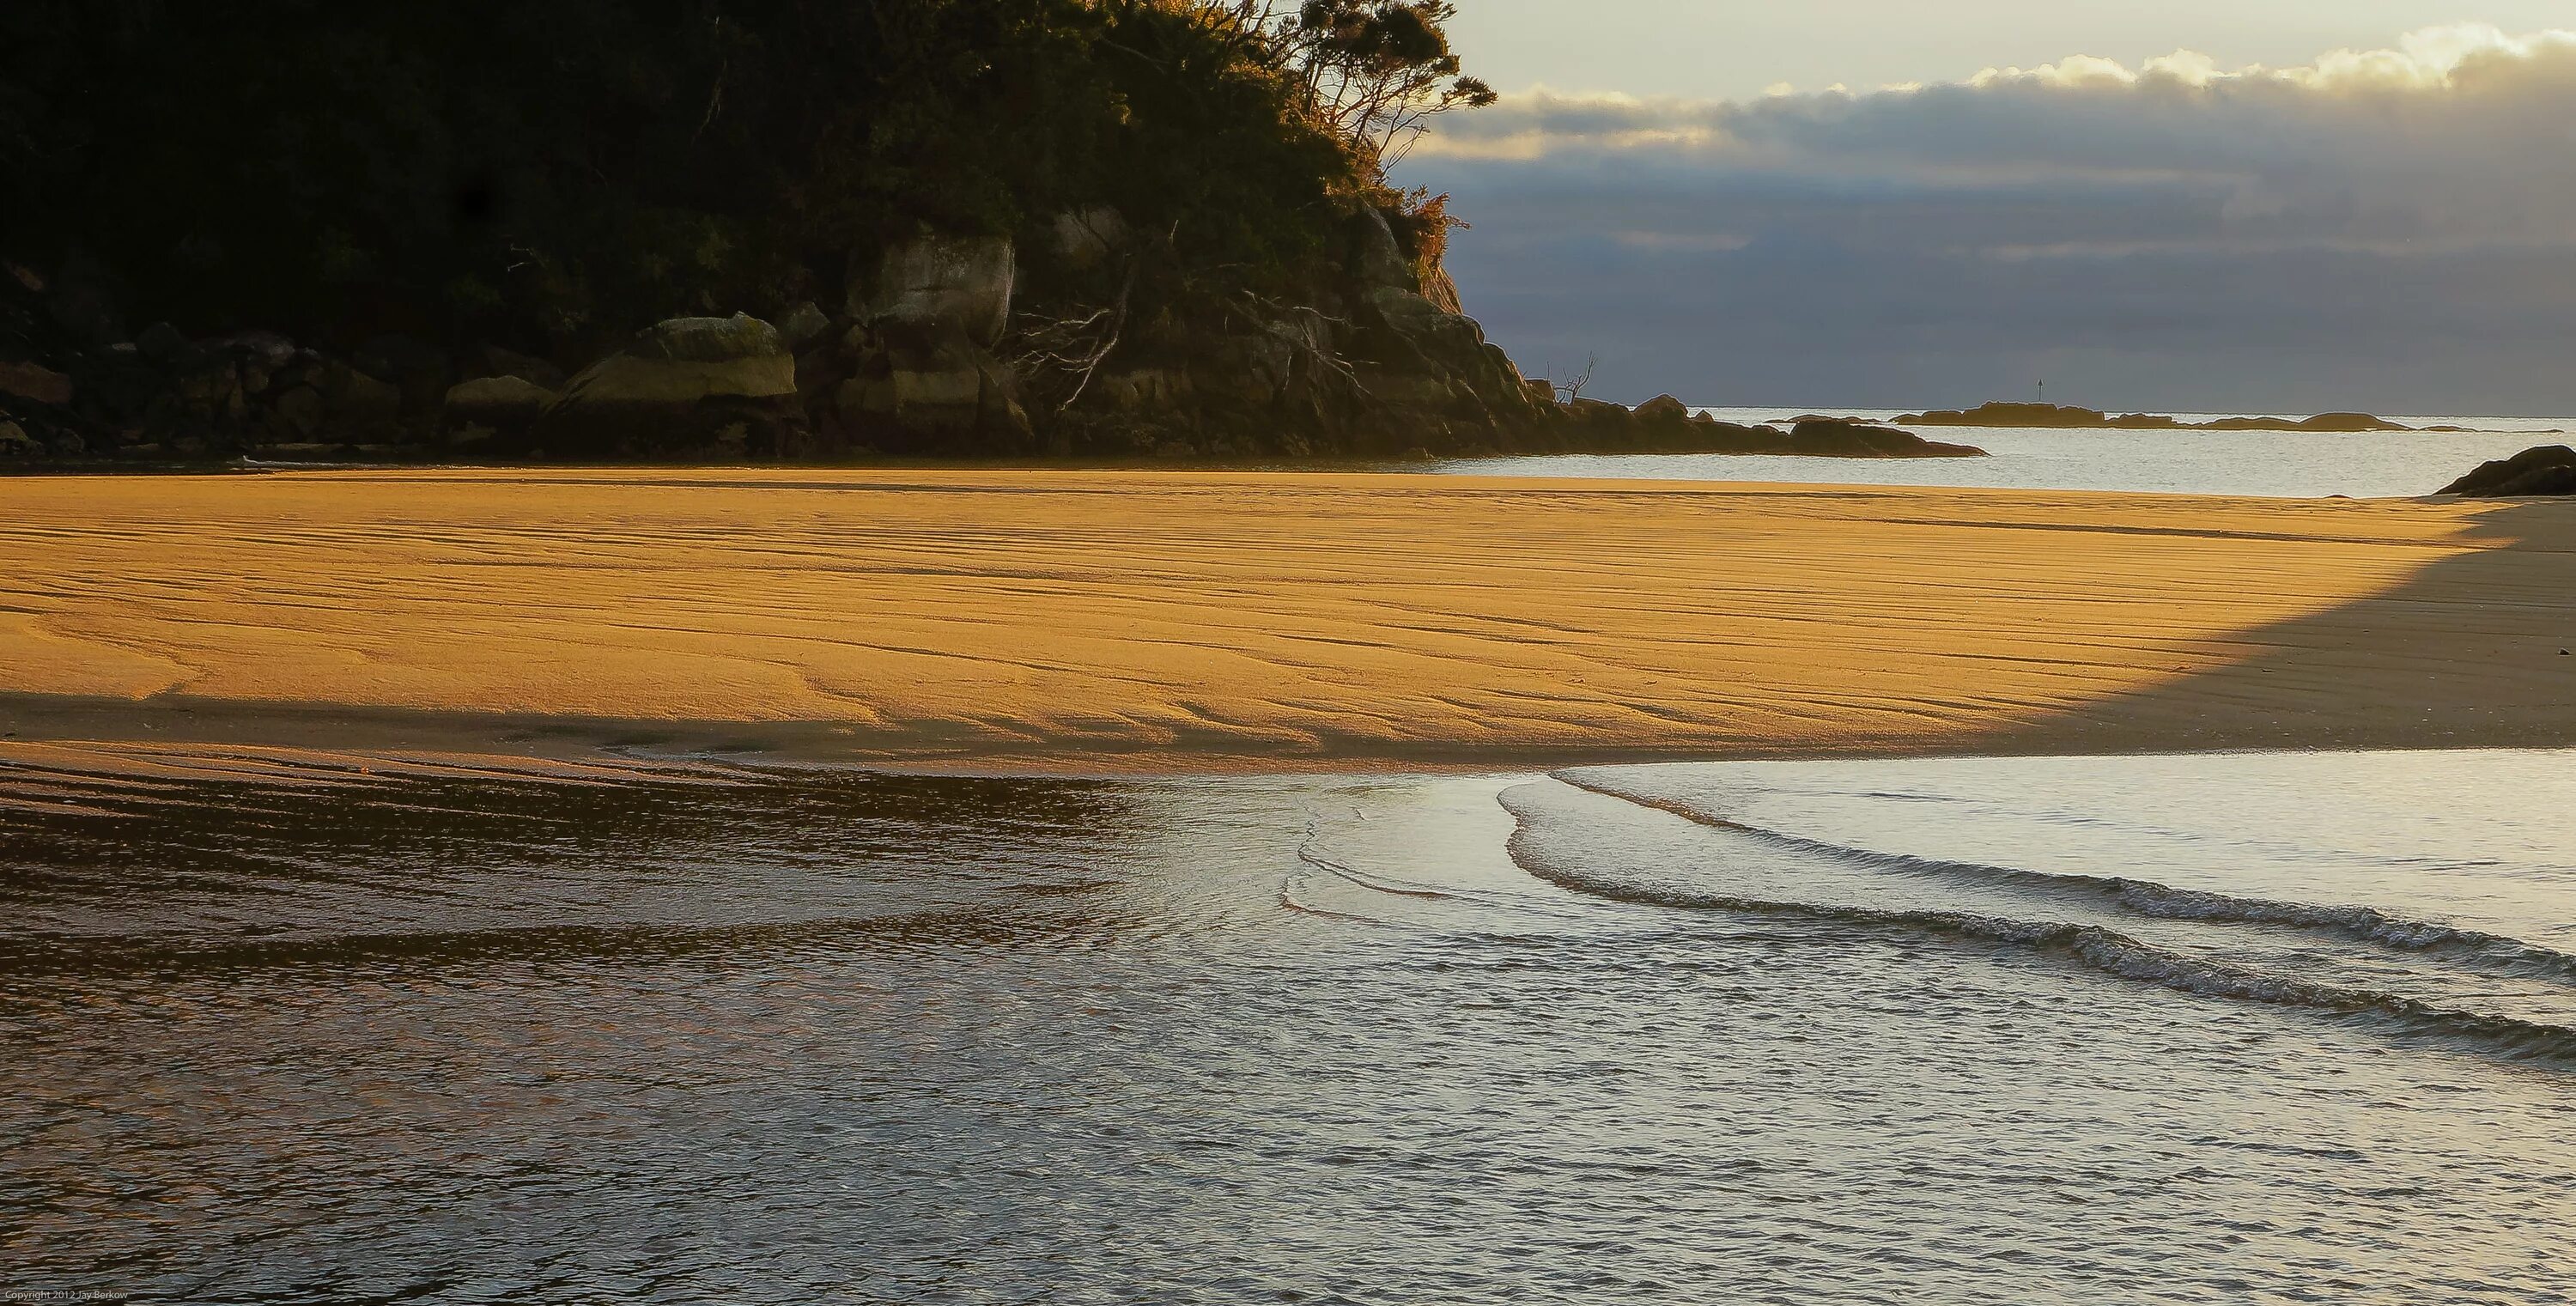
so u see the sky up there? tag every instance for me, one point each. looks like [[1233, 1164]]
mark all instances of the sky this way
[[2270, 205]]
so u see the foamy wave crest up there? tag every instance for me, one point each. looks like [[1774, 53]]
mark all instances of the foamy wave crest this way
[[2488, 953], [2104, 950]]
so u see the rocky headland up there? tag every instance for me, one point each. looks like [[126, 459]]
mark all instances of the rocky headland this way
[[946, 229]]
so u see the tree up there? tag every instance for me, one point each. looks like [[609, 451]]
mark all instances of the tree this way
[[1572, 390], [1376, 70]]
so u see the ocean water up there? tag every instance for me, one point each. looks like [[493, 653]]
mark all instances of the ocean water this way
[[2272, 464], [2220, 1028]]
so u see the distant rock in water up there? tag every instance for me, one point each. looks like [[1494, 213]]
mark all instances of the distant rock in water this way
[[2340, 423], [1665, 424], [2351, 422], [1833, 437], [2004, 414], [2549, 469], [2062, 416]]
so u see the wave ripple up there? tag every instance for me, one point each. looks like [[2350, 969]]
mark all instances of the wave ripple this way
[[1549, 845]]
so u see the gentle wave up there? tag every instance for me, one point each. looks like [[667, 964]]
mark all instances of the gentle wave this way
[[1377, 883], [2488, 953], [2102, 949]]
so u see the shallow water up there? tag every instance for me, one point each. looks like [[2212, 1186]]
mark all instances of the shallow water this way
[[2261, 1027], [2269, 464]]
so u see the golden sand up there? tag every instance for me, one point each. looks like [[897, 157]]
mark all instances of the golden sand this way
[[1089, 620]]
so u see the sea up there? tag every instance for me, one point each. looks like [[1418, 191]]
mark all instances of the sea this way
[[2269, 464], [2241, 1027]]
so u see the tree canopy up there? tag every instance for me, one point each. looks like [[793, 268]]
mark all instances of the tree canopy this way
[[565, 170]]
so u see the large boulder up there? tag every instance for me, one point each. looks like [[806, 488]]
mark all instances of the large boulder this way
[[714, 385], [2547, 470], [685, 360], [804, 324], [938, 284], [416, 368], [1598, 412], [918, 374], [35, 381], [497, 361], [221, 391], [495, 403], [299, 411], [1089, 237], [938, 392], [353, 399]]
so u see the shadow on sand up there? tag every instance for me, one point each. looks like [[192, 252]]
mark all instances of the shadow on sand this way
[[2474, 650]]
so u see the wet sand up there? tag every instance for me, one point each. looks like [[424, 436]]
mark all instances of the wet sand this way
[[1205, 621]]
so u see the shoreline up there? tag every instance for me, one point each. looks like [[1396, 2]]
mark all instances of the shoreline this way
[[183, 734], [1199, 622], [56, 777]]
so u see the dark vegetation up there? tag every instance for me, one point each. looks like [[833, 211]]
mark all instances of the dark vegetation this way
[[555, 174]]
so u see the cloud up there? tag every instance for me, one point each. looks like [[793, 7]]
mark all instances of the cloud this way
[[2392, 228]]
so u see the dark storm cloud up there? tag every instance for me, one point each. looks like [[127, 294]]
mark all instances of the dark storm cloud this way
[[2393, 230]]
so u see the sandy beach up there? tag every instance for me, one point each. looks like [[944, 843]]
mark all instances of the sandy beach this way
[[1198, 621]]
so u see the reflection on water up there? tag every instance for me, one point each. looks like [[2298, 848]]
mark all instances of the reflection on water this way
[[1725, 1032]]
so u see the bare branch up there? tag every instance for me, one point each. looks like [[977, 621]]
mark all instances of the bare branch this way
[[1573, 390]]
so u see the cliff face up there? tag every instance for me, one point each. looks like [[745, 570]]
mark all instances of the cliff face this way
[[943, 346], [962, 346]]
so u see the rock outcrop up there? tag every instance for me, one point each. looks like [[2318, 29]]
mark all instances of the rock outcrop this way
[[74, 390], [687, 386], [35, 383], [920, 392], [915, 370], [2347, 422], [944, 346], [2000, 414], [1838, 438], [502, 407], [941, 283], [2547, 470]]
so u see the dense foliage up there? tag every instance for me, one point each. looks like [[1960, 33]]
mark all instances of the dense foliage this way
[[556, 172]]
